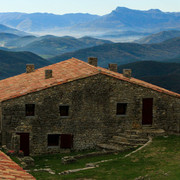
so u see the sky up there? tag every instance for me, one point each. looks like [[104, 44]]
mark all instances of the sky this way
[[99, 7]]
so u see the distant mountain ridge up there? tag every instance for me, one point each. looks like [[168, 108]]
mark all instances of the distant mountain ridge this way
[[128, 19], [159, 37], [120, 19], [123, 53], [39, 21]]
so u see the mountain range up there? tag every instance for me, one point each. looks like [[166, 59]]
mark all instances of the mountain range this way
[[123, 53], [120, 19]]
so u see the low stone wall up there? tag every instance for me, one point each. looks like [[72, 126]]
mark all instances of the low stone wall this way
[[70, 159]]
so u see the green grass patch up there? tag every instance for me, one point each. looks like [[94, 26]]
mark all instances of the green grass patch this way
[[159, 160]]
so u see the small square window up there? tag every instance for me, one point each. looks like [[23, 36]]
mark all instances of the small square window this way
[[64, 110], [53, 139], [121, 109], [30, 109]]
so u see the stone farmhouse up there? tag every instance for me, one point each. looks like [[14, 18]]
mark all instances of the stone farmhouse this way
[[77, 105]]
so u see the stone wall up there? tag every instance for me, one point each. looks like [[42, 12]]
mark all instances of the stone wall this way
[[92, 112]]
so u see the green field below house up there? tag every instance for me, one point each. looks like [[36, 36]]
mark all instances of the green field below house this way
[[160, 160]]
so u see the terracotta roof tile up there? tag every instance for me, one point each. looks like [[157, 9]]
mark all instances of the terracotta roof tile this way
[[63, 72], [10, 170]]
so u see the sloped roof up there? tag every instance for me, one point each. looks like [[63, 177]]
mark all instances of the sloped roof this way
[[63, 72], [10, 170]]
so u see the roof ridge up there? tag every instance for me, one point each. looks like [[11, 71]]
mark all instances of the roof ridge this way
[[51, 65], [86, 63]]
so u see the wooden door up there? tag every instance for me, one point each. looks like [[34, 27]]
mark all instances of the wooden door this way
[[147, 111], [24, 143], [66, 141]]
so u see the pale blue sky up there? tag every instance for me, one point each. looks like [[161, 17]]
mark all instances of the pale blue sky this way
[[100, 7]]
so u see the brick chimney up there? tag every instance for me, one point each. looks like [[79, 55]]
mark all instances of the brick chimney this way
[[113, 67], [93, 61], [30, 68], [48, 73], [127, 73]]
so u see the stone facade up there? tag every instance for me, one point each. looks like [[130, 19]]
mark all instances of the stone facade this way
[[92, 115]]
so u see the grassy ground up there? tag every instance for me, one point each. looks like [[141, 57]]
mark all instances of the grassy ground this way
[[158, 161]]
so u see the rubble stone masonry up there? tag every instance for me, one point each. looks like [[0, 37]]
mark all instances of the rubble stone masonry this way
[[92, 116]]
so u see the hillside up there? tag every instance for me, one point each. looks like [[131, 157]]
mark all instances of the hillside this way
[[13, 63], [19, 41], [7, 36], [123, 53], [6, 29], [48, 45], [165, 75], [159, 37], [53, 45]]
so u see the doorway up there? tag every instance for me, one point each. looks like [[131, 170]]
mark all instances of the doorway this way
[[147, 111], [24, 143]]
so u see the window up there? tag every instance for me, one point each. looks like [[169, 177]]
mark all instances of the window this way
[[121, 108], [30, 109], [53, 139], [64, 110]]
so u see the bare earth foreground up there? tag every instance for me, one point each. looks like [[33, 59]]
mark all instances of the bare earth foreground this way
[[12, 171]]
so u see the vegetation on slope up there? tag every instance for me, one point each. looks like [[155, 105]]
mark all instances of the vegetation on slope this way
[[159, 160]]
